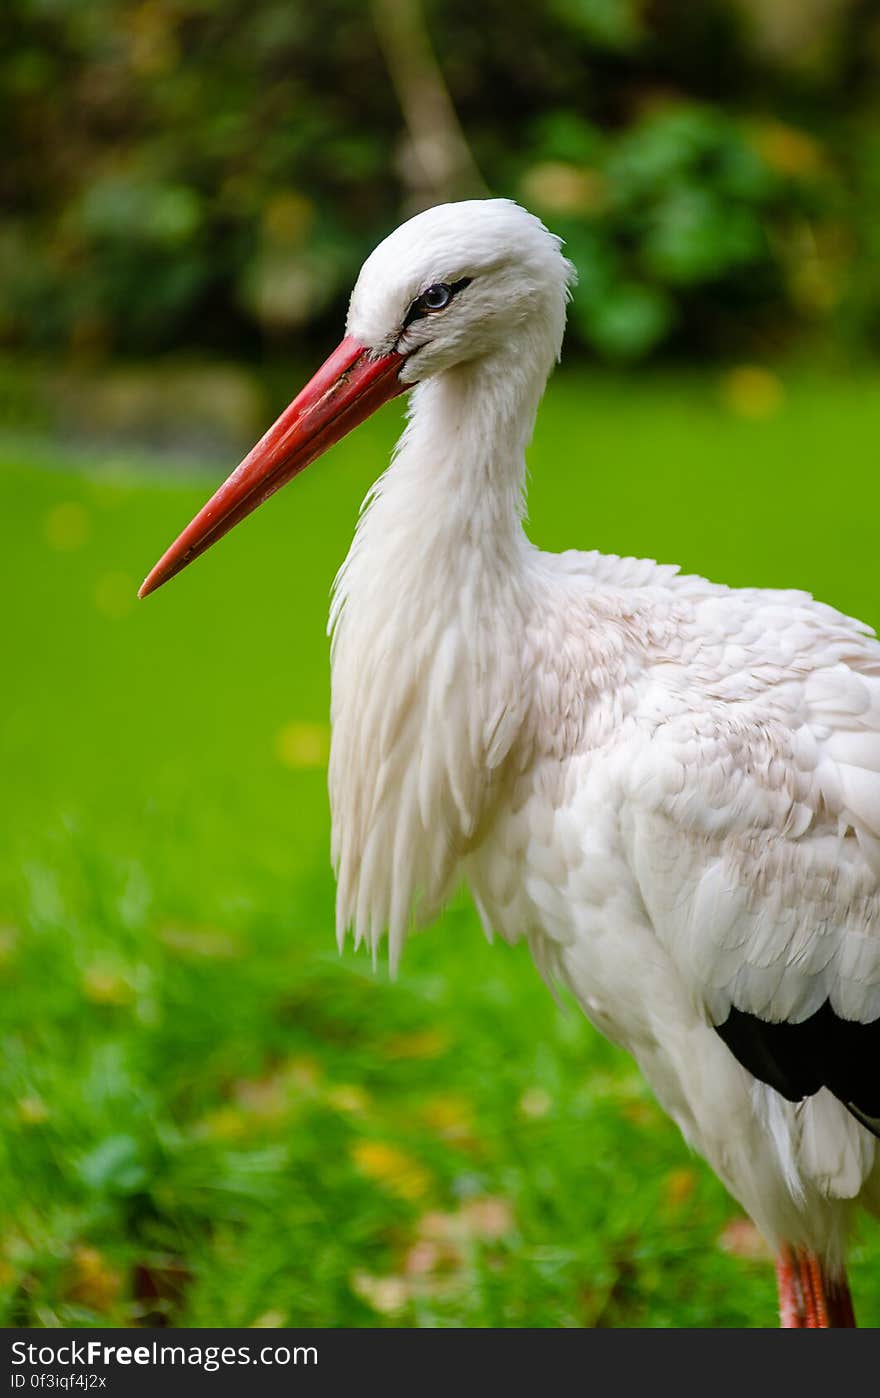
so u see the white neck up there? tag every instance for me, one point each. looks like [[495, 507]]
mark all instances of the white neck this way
[[427, 617], [458, 473]]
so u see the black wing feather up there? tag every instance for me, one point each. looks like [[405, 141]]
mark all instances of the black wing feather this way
[[822, 1051]]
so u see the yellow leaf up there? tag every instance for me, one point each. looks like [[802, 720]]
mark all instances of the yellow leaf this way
[[67, 527], [32, 1111], [786, 149], [225, 1124], [752, 392], [449, 1116], [561, 188], [392, 1168], [92, 1281], [288, 217], [104, 985], [422, 1043], [347, 1098], [303, 745], [679, 1185]]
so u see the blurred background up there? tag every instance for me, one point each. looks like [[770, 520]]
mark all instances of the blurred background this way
[[208, 1117]]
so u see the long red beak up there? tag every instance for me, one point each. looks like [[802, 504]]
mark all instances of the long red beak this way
[[347, 388]]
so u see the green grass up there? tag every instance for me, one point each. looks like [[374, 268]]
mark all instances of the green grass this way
[[208, 1116]]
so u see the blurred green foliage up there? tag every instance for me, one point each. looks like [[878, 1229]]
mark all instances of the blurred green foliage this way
[[210, 173]]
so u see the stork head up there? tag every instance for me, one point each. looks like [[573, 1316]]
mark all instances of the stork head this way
[[476, 281], [460, 282]]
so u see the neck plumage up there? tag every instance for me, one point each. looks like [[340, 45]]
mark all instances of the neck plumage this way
[[427, 619]]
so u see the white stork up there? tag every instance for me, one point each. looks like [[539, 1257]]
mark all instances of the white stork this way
[[670, 787]]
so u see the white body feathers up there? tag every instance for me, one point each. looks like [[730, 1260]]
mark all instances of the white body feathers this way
[[671, 788]]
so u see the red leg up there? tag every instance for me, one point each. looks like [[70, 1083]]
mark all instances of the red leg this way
[[809, 1299], [813, 1285], [791, 1306]]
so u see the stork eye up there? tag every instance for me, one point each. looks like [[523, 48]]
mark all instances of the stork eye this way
[[436, 297]]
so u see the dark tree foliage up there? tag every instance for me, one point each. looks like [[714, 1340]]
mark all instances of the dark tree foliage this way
[[210, 173]]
